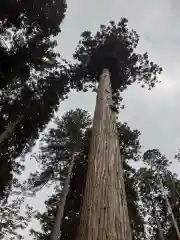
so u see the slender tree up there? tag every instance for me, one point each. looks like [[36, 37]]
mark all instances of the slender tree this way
[[75, 137], [149, 187], [56, 231], [57, 159], [169, 207]]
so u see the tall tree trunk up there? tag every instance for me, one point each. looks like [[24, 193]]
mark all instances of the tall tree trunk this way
[[104, 212], [56, 232]]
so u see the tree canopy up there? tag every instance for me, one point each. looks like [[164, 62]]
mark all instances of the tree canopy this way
[[151, 196], [112, 47], [33, 78]]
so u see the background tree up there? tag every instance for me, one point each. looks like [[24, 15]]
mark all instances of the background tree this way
[[28, 67], [150, 193], [141, 184], [52, 157], [11, 221]]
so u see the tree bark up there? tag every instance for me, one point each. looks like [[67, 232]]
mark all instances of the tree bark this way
[[56, 232], [104, 212]]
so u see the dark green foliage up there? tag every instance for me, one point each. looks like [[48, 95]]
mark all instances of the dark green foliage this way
[[59, 144], [53, 156], [73, 201], [36, 109], [113, 47], [28, 28], [37, 14], [129, 142], [143, 190], [151, 195], [33, 78], [156, 160], [11, 221], [136, 220], [46, 219]]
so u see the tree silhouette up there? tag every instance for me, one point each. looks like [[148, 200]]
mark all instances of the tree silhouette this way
[[112, 47], [33, 78]]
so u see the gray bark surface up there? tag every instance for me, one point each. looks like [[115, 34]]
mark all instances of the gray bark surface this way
[[104, 212], [56, 231]]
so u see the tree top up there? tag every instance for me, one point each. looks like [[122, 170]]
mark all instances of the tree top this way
[[113, 47]]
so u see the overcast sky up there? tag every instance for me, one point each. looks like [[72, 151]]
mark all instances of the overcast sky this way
[[155, 113]]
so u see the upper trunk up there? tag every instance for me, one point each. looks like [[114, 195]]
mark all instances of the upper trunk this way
[[104, 211]]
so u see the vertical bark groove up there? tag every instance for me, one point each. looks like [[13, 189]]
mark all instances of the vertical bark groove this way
[[104, 212]]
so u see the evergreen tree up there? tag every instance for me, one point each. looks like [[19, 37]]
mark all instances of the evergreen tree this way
[[52, 157], [108, 56], [142, 185], [152, 198], [33, 78]]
